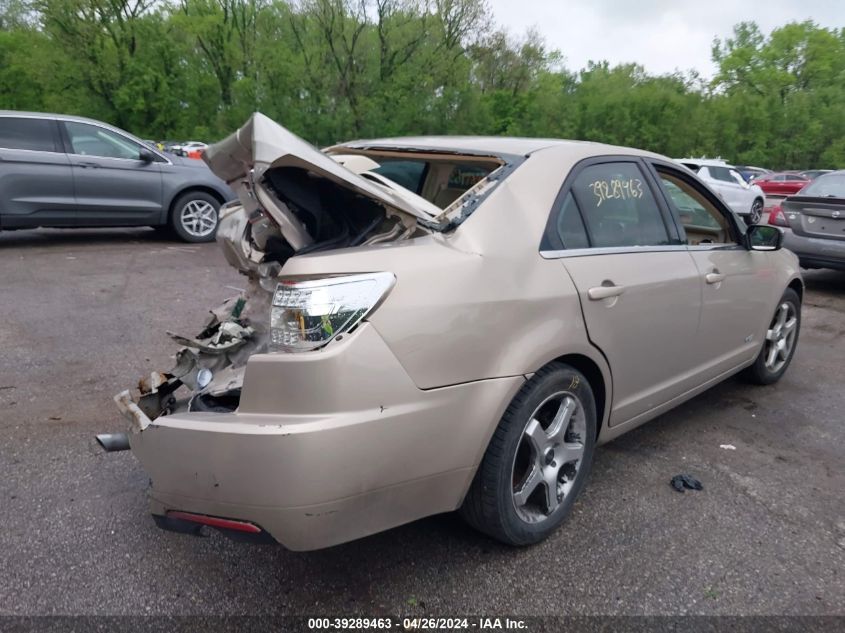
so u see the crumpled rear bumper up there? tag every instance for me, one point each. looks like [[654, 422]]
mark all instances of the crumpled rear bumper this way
[[326, 447]]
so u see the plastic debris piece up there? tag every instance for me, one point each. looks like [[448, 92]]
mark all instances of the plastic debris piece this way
[[728, 447], [680, 482]]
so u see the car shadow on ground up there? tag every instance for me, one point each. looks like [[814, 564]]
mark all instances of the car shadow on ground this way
[[447, 538], [54, 238]]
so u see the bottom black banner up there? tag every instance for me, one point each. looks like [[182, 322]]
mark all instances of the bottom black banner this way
[[531, 624]]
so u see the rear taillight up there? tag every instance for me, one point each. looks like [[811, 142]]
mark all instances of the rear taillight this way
[[777, 217], [308, 313]]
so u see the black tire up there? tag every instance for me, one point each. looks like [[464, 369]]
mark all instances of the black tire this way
[[761, 372], [203, 208], [490, 504]]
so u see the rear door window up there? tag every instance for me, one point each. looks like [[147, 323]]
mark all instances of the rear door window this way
[[27, 133], [618, 206]]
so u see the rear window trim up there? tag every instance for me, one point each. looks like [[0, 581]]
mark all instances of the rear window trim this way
[[443, 223]]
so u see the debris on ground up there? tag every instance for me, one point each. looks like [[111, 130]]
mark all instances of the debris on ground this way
[[728, 447], [679, 482]]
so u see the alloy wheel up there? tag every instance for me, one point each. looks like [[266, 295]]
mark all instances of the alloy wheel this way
[[756, 212], [198, 218], [780, 337], [548, 456]]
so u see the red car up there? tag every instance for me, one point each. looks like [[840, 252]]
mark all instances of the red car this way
[[781, 184]]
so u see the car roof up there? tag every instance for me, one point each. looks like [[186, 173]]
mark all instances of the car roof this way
[[485, 145], [705, 162], [67, 117], [51, 115], [78, 119]]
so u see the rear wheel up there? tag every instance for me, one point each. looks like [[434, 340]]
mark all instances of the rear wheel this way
[[538, 459], [194, 216], [780, 341]]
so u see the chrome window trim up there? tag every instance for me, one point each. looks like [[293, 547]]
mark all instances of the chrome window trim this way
[[716, 247], [7, 115], [89, 156], [12, 115], [629, 250], [42, 151]]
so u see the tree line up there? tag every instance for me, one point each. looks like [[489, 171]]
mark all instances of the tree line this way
[[332, 70]]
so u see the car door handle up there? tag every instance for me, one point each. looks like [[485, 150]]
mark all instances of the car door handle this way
[[85, 164], [604, 292], [714, 277]]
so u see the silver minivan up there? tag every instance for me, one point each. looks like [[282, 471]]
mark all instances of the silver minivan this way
[[66, 171]]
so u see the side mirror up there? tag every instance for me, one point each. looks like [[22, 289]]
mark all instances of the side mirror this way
[[763, 237], [146, 155]]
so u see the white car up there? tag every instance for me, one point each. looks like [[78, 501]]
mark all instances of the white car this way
[[182, 149], [747, 200]]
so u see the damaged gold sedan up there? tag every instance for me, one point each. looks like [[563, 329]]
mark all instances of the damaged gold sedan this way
[[432, 324]]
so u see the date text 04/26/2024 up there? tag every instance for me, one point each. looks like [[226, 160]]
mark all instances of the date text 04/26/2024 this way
[[417, 624]]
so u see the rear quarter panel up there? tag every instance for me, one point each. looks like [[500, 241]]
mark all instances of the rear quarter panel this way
[[480, 302]]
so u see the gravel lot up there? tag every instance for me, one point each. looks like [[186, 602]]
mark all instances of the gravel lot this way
[[84, 315]]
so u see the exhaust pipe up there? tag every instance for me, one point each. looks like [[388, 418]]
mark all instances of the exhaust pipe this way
[[112, 442]]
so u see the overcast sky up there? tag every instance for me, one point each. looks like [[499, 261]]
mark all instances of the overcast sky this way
[[662, 35]]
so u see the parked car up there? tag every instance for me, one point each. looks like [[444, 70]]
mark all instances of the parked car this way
[[749, 172], [465, 344], [782, 183], [66, 171], [748, 200], [814, 222], [812, 174], [187, 147]]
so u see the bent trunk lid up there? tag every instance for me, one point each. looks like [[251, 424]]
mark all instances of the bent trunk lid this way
[[262, 144]]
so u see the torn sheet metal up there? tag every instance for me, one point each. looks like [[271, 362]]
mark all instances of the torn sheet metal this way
[[138, 420], [261, 143], [283, 184]]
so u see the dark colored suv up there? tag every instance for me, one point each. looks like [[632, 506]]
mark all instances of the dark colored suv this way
[[67, 171]]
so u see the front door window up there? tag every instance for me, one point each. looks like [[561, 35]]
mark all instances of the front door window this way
[[92, 140]]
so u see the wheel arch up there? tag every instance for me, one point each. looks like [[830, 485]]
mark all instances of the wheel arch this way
[[798, 286], [181, 192], [598, 383]]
